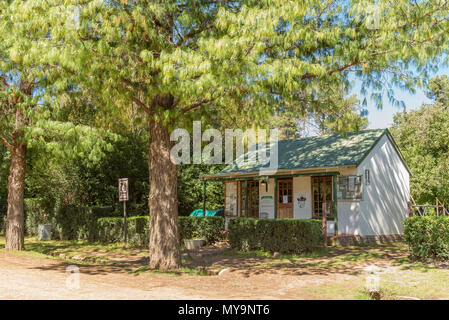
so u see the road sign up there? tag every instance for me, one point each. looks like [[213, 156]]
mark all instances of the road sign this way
[[123, 189], [123, 196]]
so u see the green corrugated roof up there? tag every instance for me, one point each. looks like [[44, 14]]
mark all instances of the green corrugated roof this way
[[314, 152]]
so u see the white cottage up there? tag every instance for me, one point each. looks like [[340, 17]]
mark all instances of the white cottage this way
[[361, 181]]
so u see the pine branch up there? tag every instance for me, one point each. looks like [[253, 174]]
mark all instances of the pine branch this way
[[196, 104], [193, 33], [3, 79], [6, 143], [141, 105]]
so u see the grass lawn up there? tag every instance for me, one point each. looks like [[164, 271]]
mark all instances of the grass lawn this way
[[334, 273], [89, 253]]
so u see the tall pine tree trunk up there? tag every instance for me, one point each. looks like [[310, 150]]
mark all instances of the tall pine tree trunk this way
[[163, 201], [15, 226]]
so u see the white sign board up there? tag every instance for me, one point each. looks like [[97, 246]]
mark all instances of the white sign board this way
[[266, 202], [123, 189]]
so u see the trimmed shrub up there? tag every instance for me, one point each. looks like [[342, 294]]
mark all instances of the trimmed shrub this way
[[209, 228], [67, 222], [427, 237], [275, 235], [110, 230]]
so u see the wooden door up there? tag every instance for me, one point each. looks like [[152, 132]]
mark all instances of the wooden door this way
[[322, 192], [253, 199], [285, 198]]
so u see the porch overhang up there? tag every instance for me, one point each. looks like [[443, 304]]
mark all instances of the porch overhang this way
[[261, 175]]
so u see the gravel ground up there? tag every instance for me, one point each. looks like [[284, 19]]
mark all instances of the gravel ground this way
[[28, 277]]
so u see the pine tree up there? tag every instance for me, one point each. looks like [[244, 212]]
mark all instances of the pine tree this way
[[26, 119]]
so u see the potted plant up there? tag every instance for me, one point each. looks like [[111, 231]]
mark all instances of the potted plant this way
[[195, 242]]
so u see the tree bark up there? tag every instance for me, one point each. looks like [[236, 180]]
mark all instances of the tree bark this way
[[15, 225], [16, 186], [163, 201]]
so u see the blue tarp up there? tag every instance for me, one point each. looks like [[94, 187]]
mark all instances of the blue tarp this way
[[209, 213]]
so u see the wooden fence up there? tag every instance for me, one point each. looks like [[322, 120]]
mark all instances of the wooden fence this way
[[424, 210]]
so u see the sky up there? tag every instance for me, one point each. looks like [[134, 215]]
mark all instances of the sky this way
[[384, 118]]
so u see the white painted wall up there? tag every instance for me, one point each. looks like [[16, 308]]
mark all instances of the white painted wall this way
[[302, 187], [348, 217], [266, 208], [348, 210], [384, 204]]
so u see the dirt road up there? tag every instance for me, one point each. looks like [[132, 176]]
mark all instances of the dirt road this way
[[341, 274], [34, 278], [25, 277]]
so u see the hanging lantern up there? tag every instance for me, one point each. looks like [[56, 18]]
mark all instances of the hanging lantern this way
[[265, 183]]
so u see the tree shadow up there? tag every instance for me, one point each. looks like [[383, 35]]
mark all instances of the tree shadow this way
[[335, 260], [341, 260]]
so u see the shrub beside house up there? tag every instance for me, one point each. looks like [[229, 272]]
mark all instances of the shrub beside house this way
[[427, 237], [280, 235]]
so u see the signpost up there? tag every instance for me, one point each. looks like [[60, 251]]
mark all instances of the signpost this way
[[123, 195]]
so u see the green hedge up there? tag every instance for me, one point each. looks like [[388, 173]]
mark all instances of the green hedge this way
[[68, 222], [110, 230], [275, 235], [427, 237], [77, 223], [209, 228]]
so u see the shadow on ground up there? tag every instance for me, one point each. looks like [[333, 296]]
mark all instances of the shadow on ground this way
[[97, 259]]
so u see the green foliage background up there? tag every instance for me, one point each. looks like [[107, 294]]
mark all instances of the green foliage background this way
[[76, 181], [423, 137], [190, 188]]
